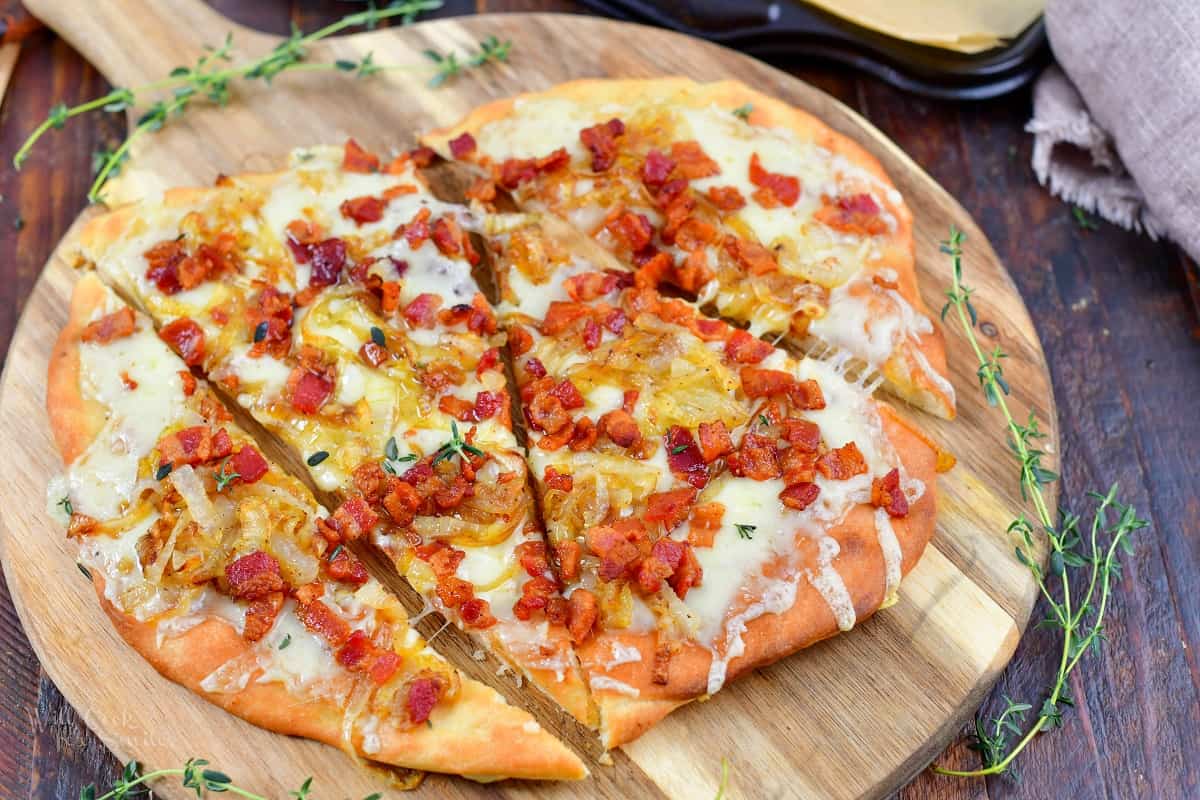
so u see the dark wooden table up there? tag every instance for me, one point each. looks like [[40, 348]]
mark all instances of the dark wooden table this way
[[1116, 313]]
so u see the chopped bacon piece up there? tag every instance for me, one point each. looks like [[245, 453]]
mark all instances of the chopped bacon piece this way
[[670, 507], [535, 368], [842, 463], [615, 321], [536, 594], [799, 495], [448, 236], [384, 666], [462, 145], [116, 325], [163, 270], [582, 614], [355, 518], [656, 169], [694, 234], [568, 554], [356, 159], [515, 171], [568, 393], [802, 434], [765, 382], [757, 459], [650, 274], [601, 140], [482, 190], [756, 259], [489, 360], [222, 445], [401, 502], [532, 557], [357, 652], [363, 209], [81, 525], [422, 156], [744, 348], [633, 230], [693, 273], [186, 338], [189, 382], [274, 308], [710, 330], [620, 426], [345, 567], [692, 162], [129, 382], [519, 340], [774, 189], [589, 285], [253, 576], [423, 695], [190, 446], [886, 493], [684, 457], [714, 441], [260, 616], [327, 258], [373, 354], [807, 395], [454, 591], [650, 573], [726, 198], [420, 313], [546, 413], [562, 481], [857, 214], [584, 435], [416, 230], [705, 522], [443, 559], [562, 315], [687, 574], [309, 390], [371, 481], [249, 464], [629, 400], [477, 613]]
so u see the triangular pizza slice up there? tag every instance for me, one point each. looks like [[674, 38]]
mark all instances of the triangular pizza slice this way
[[219, 569], [752, 206], [335, 301], [713, 503]]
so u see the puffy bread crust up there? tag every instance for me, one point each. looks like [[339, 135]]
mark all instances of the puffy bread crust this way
[[773, 636], [901, 369], [478, 735]]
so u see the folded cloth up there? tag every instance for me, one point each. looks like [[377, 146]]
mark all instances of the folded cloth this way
[[1120, 136]]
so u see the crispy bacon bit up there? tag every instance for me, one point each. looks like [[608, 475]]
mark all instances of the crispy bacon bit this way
[[463, 145], [482, 190], [356, 159], [546, 413], [629, 400], [535, 368], [189, 382], [476, 315], [886, 493], [515, 171], [485, 406], [163, 259], [443, 559], [774, 189], [253, 576], [520, 341], [568, 554], [802, 434], [536, 595], [308, 390], [726, 198], [620, 426], [477, 613], [562, 315], [710, 330], [327, 259], [186, 338], [190, 446], [687, 574], [601, 140], [363, 209], [799, 495], [420, 313], [416, 230], [345, 567], [260, 616], [670, 507], [857, 214], [447, 236], [843, 463], [692, 162], [373, 354], [532, 557], [583, 610], [744, 348], [807, 395], [756, 259], [656, 169], [633, 230], [249, 464], [116, 325], [588, 286], [355, 518], [423, 695], [705, 522], [274, 308], [569, 394], [222, 445], [401, 502], [81, 525], [765, 382], [422, 156], [757, 459], [684, 457], [584, 435], [562, 481], [714, 441]]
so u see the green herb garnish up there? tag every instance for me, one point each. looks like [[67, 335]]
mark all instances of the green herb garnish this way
[[86, 572], [260, 331], [677, 449], [317, 458], [744, 112], [457, 446], [163, 471], [745, 531], [225, 478], [287, 639], [65, 504], [377, 336], [1082, 219]]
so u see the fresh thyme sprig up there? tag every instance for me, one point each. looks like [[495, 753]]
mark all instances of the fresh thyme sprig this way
[[225, 478], [195, 775], [1080, 620], [210, 78], [457, 446]]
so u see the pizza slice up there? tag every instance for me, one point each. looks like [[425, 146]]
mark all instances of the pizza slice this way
[[220, 569], [746, 203], [713, 504], [335, 301]]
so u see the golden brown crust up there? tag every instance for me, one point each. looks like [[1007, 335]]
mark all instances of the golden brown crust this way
[[903, 369], [772, 636], [74, 421]]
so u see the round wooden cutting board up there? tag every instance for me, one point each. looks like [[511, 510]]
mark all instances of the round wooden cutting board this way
[[853, 717]]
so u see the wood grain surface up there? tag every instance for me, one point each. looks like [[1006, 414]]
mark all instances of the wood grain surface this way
[[1146, 685]]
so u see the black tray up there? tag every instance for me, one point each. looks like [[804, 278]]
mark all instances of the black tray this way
[[783, 30]]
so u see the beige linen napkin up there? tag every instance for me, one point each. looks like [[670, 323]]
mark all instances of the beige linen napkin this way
[[1121, 137]]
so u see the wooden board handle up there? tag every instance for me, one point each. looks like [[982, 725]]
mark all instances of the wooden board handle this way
[[133, 42]]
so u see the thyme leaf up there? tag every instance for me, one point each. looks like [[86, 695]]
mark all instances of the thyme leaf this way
[[745, 531]]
